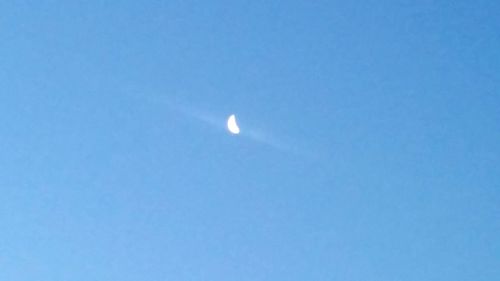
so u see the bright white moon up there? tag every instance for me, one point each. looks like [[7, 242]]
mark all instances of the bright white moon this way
[[232, 126]]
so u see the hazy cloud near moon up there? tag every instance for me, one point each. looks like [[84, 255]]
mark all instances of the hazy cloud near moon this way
[[251, 133]]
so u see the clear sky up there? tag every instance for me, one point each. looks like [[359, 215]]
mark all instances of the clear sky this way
[[369, 146]]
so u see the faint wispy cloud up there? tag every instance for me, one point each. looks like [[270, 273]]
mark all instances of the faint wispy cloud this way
[[247, 132], [266, 139], [192, 112]]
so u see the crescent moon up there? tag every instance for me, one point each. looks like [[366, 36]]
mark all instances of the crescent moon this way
[[232, 126]]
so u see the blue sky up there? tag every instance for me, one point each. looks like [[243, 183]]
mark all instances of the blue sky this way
[[369, 147]]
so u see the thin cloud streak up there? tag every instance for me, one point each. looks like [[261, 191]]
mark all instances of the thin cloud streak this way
[[219, 123], [266, 139], [199, 115]]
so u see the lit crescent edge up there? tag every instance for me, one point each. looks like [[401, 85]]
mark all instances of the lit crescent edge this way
[[232, 126]]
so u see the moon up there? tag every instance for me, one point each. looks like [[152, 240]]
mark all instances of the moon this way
[[232, 126]]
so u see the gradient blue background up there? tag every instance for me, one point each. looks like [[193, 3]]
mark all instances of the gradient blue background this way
[[394, 106]]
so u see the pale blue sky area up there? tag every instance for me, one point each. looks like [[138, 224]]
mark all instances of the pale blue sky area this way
[[369, 147]]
